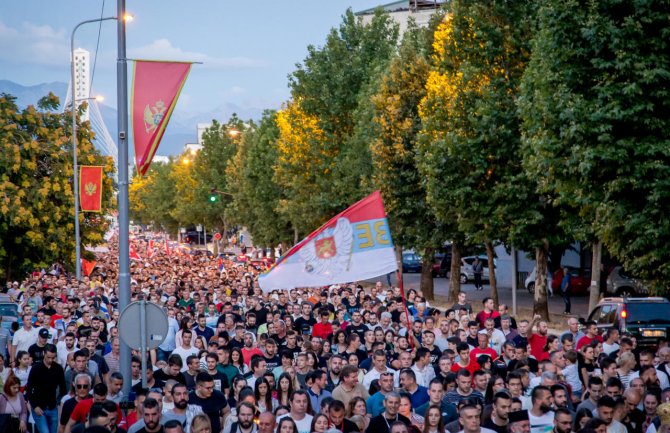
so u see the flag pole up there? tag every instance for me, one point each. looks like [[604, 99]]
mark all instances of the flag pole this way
[[401, 284], [124, 223]]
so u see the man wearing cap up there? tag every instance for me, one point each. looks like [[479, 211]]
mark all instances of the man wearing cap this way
[[519, 422], [36, 350]]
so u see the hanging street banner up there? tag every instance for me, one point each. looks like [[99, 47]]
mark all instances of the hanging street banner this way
[[354, 245], [90, 188], [155, 90]]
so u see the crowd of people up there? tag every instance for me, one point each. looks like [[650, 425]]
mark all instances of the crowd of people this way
[[344, 358]]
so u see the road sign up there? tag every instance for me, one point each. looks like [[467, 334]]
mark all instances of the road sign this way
[[152, 322], [217, 236]]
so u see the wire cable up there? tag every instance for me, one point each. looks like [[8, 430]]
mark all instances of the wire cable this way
[[97, 45]]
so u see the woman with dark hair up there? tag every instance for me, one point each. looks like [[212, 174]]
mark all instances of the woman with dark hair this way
[[495, 384], [582, 417], [312, 361], [237, 360], [287, 425], [339, 342], [485, 362], [184, 324], [239, 383], [433, 422], [263, 395], [320, 423], [284, 389], [22, 368], [14, 404], [552, 344]]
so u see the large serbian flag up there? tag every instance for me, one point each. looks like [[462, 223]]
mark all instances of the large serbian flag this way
[[156, 88], [354, 245], [90, 188]]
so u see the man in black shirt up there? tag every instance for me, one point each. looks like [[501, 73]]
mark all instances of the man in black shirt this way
[[46, 382], [271, 358], [172, 371], [357, 325], [36, 350], [303, 324], [81, 386], [213, 403], [382, 422]]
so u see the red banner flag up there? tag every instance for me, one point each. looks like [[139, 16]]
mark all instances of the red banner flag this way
[[87, 266], [132, 254], [156, 88], [90, 188], [150, 249]]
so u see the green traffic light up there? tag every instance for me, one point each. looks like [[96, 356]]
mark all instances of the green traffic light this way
[[212, 198]]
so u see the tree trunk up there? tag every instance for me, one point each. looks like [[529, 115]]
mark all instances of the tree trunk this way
[[455, 273], [295, 236], [540, 305], [492, 272], [427, 274], [594, 296]]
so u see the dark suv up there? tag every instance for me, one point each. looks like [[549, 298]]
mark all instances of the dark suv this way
[[647, 319]]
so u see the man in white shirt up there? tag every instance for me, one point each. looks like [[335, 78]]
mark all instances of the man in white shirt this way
[[24, 337], [185, 350], [540, 415], [422, 368], [379, 367], [64, 348], [298, 413]]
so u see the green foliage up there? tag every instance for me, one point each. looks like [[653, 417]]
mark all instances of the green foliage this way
[[394, 144], [36, 194], [595, 117], [153, 197], [250, 181], [324, 162]]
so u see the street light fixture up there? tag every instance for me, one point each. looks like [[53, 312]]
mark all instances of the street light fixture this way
[[74, 143]]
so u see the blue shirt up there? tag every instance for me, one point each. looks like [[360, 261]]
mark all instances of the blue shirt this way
[[375, 404], [420, 396]]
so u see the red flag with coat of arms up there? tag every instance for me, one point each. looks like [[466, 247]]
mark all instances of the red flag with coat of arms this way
[[156, 88], [90, 188]]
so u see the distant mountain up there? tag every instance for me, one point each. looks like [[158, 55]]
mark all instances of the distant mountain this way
[[26, 95], [182, 128]]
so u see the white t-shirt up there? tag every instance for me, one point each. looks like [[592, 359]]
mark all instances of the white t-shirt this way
[[608, 349], [185, 353], [541, 424], [62, 354], [304, 425], [24, 339]]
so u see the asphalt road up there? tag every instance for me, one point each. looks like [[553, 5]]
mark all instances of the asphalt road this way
[[524, 299]]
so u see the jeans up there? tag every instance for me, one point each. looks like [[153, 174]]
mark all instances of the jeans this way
[[566, 299], [48, 422], [478, 281]]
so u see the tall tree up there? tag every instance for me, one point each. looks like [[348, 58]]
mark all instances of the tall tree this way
[[481, 51], [154, 196], [394, 141], [254, 193], [36, 190], [596, 98], [317, 142]]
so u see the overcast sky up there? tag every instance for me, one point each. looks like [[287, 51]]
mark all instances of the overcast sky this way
[[248, 47]]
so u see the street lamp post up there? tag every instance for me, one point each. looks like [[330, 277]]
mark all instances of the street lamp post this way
[[74, 147]]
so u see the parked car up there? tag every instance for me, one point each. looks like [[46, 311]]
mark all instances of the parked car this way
[[191, 237], [9, 311], [622, 283], [580, 279], [466, 269], [441, 264], [411, 262], [529, 283], [647, 319]]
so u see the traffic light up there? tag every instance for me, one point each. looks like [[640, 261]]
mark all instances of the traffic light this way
[[212, 195]]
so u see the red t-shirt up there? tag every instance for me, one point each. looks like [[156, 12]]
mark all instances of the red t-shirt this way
[[81, 410], [483, 315], [472, 366], [322, 330], [247, 354], [585, 341], [488, 351], [537, 343]]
